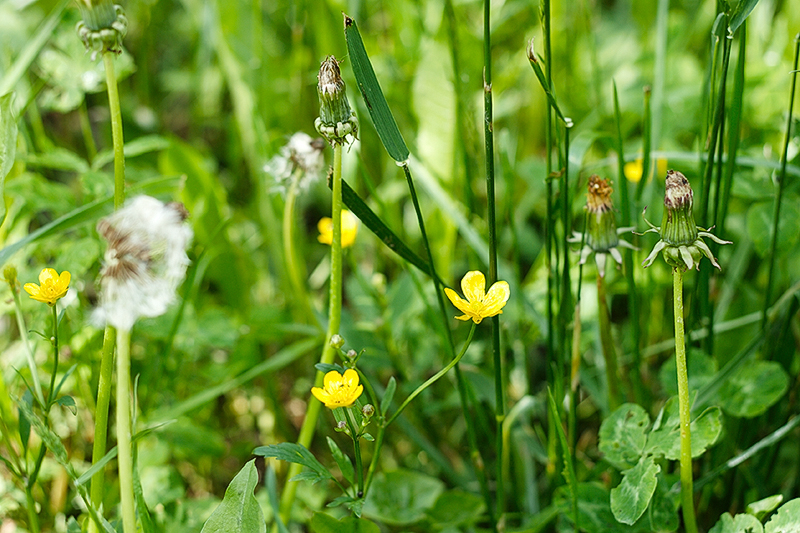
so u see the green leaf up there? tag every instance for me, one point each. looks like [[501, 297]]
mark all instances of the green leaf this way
[[742, 11], [49, 438], [753, 389], [594, 510], [759, 224], [8, 145], [666, 440], [623, 435], [741, 523], [456, 508], [325, 523], [401, 497], [58, 159], [786, 520], [663, 509], [296, 453], [701, 367], [239, 510], [373, 95], [763, 507], [69, 403], [388, 394], [629, 500], [345, 465]]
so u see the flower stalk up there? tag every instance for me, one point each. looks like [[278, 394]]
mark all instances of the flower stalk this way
[[124, 450]]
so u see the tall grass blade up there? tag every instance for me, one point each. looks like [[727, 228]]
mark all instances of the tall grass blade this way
[[371, 91], [742, 11], [8, 146], [569, 467]]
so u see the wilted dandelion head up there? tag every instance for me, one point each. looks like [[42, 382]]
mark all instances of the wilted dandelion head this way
[[302, 155], [145, 260]]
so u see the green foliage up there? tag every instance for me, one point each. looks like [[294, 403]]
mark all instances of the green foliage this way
[[296, 453], [630, 498], [324, 523], [402, 497], [239, 510]]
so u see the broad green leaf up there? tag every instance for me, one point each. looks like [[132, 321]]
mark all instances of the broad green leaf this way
[[296, 453], [741, 523], [239, 510], [740, 13], [666, 440], [623, 435], [388, 394], [759, 224], [401, 497], [345, 465], [663, 510], [753, 389], [594, 510], [456, 508], [786, 520], [325, 523], [763, 507], [701, 368], [373, 95], [629, 499], [8, 145]]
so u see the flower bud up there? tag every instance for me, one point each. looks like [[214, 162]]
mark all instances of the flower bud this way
[[336, 120], [601, 223], [341, 426], [368, 410], [351, 354], [337, 341], [677, 225], [10, 275], [103, 27]]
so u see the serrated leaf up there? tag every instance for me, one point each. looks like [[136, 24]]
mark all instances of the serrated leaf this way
[[388, 395], [786, 520], [8, 145], [324, 523], [373, 95], [345, 465], [753, 389], [705, 430], [629, 500], [741, 523], [296, 453], [623, 435], [763, 507], [239, 510]]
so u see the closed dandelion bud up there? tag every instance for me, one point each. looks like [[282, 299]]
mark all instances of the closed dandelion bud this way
[[103, 27], [336, 120], [601, 224], [677, 225]]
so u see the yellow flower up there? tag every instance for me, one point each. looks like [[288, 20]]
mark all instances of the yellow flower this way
[[339, 390], [349, 229], [633, 169], [479, 304], [52, 286]]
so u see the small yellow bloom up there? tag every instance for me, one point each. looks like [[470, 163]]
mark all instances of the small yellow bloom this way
[[52, 286], [349, 229], [633, 169], [339, 390], [479, 303]]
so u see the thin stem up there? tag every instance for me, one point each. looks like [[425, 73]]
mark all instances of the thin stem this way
[[687, 496], [33, 516], [124, 450], [116, 129], [52, 393], [101, 418], [373, 464], [434, 378], [23, 332], [334, 318], [781, 183], [357, 448], [606, 341]]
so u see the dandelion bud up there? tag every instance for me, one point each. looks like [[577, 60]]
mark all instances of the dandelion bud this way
[[103, 27], [336, 120], [601, 223], [677, 225], [337, 341]]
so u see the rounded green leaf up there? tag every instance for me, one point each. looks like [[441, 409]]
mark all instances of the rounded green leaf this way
[[705, 429], [455, 508], [753, 389], [401, 497], [741, 523], [630, 498], [763, 507], [623, 435], [786, 520]]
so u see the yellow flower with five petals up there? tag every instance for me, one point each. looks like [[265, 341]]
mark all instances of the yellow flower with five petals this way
[[52, 286], [339, 390], [479, 303], [349, 229]]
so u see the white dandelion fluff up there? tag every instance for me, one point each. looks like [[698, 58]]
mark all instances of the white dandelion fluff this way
[[302, 155], [145, 261]]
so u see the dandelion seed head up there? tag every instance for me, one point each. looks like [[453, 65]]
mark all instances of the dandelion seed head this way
[[302, 154]]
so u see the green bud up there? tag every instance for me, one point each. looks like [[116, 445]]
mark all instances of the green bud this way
[[601, 224], [336, 120], [337, 341], [103, 27], [677, 225], [10, 275]]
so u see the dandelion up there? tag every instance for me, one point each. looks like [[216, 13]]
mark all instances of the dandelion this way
[[145, 260], [300, 159], [336, 119], [479, 303], [349, 229], [103, 27], [339, 390], [52, 286]]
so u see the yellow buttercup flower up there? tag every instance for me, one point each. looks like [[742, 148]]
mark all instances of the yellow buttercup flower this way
[[349, 229], [479, 303], [339, 390], [52, 286], [633, 169]]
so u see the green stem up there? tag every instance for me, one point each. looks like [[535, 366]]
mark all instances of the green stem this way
[[294, 268], [433, 379], [334, 318], [116, 129], [33, 517], [124, 451], [23, 332], [373, 464], [357, 448], [52, 393], [607, 342], [101, 418], [687, 496]]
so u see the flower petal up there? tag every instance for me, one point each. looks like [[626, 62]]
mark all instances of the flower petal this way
[[473, 285], [47, 274], [495, 299], [461, 304], [64, 279], [321, 395], [350, 378], [33, 289], [331, 377]]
